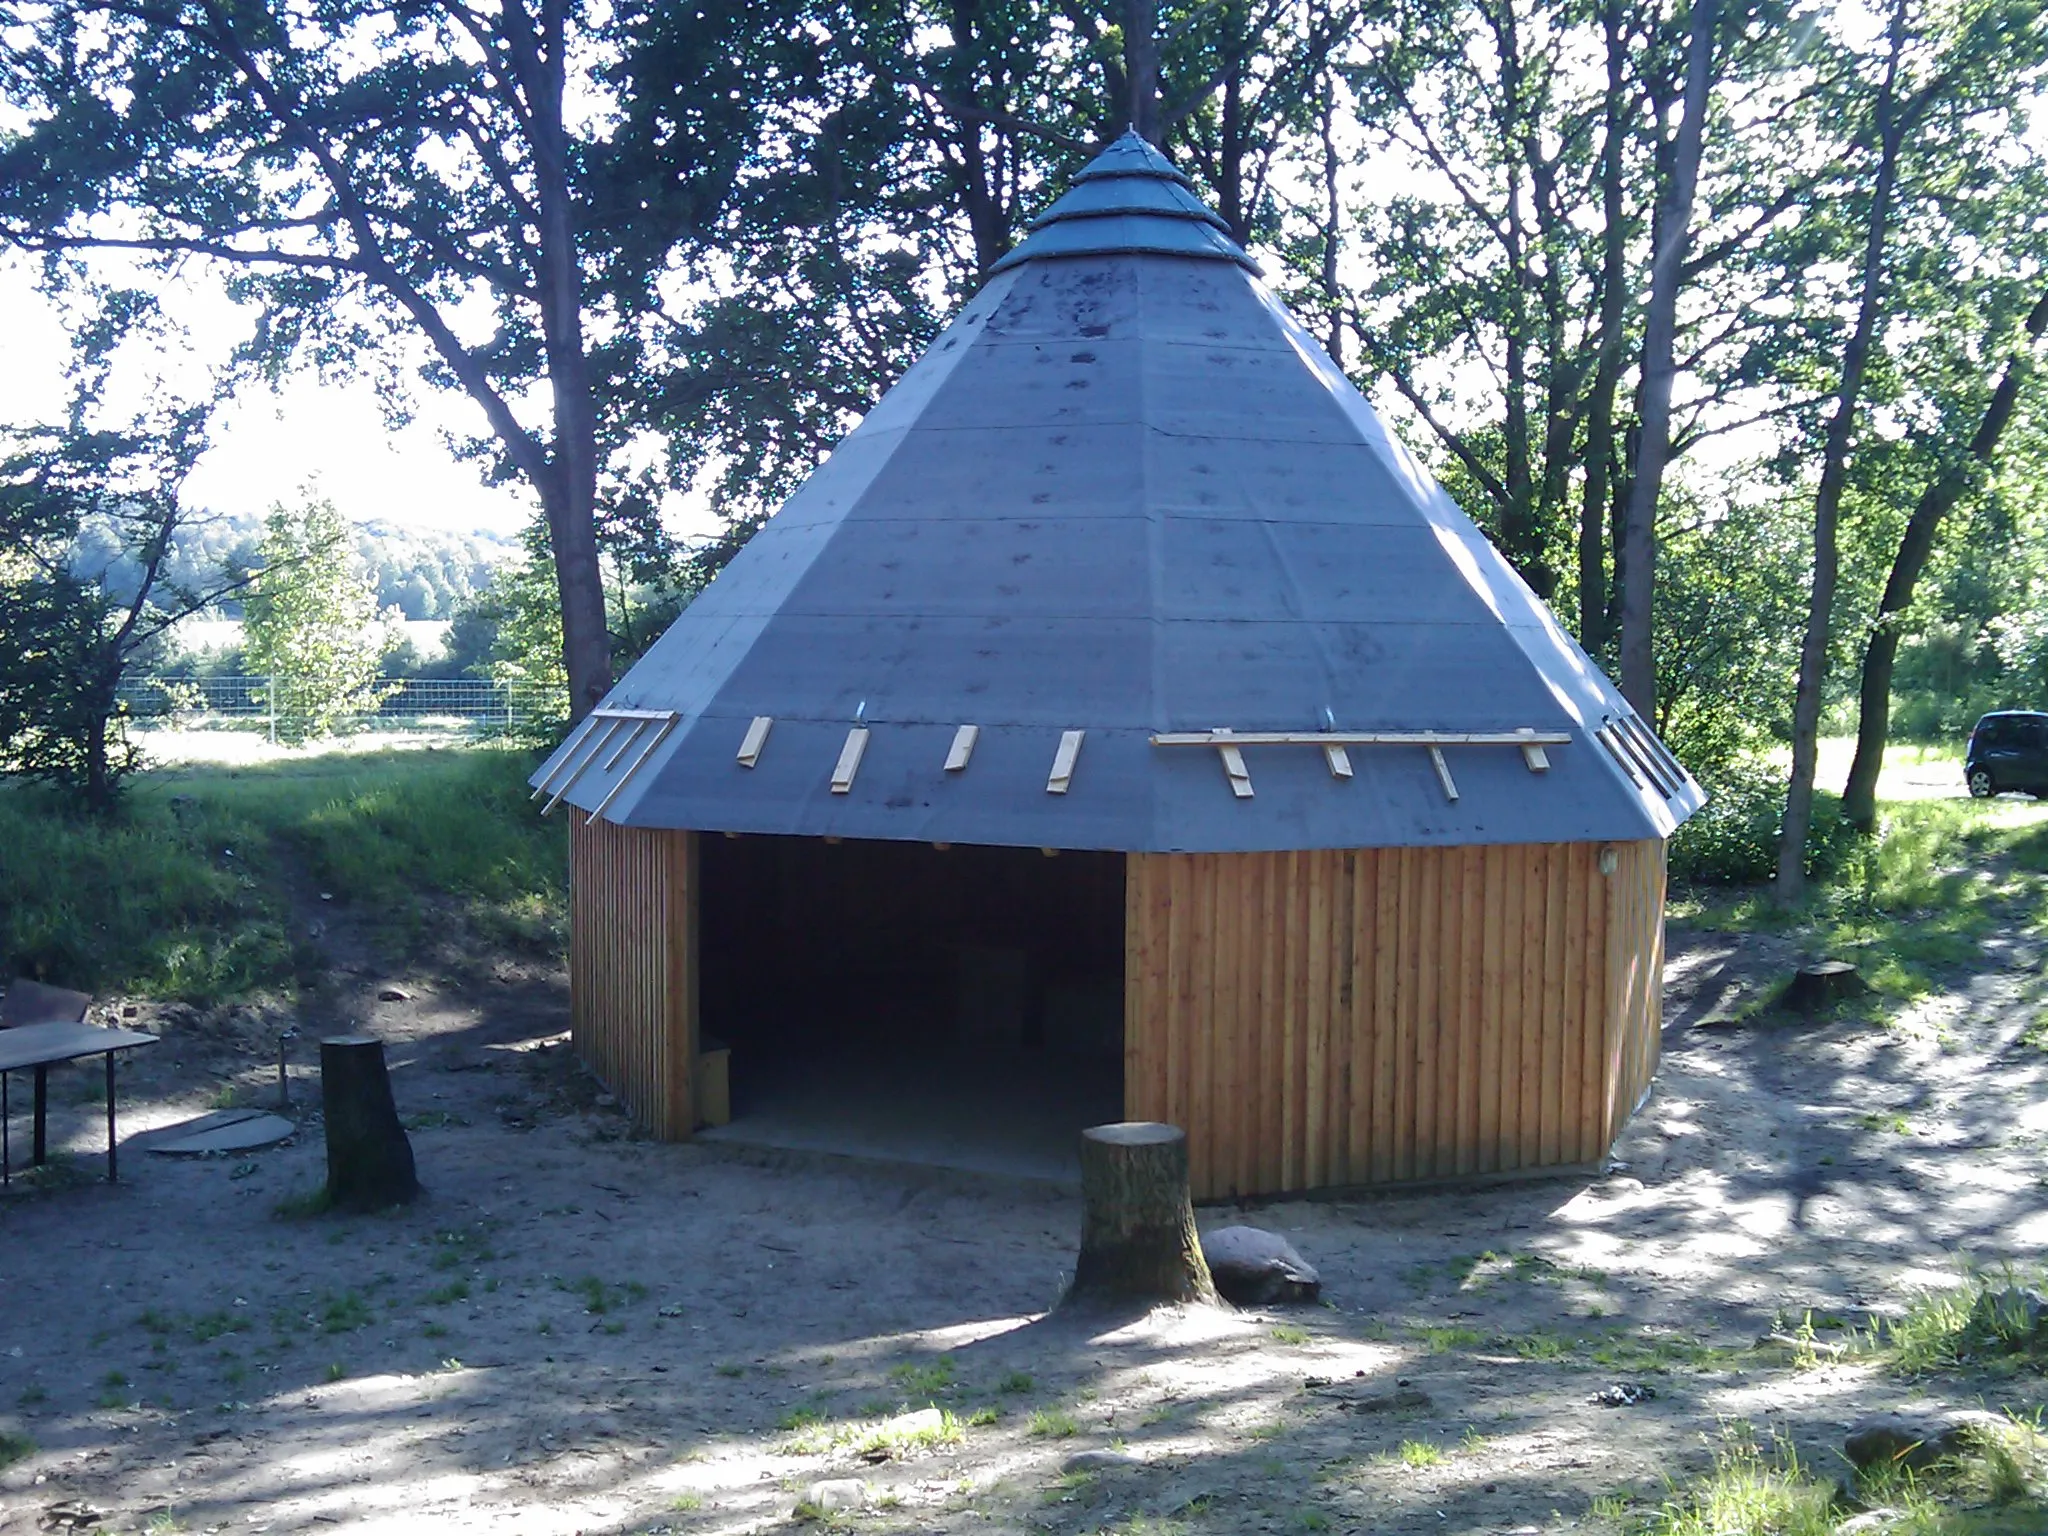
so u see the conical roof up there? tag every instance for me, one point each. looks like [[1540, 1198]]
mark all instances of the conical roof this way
[[1124, 497]]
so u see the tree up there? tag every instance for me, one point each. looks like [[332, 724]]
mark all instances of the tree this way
[[310, 623], [373, 173], [69, 635], [1940, 76], [1673, 235]]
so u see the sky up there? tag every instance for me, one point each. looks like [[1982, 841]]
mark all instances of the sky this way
[[266, 446]]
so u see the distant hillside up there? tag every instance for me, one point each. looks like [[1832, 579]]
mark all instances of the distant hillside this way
[[425, 573]]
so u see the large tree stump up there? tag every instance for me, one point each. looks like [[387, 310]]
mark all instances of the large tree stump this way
[[1815, 987], [369, 1160], [1138, 1238]]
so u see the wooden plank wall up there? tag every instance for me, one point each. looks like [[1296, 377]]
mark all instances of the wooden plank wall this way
[[1334, 1017], [632, 967], [1635, 978]]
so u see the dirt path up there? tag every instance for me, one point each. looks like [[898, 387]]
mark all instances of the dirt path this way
[[577, 1331]]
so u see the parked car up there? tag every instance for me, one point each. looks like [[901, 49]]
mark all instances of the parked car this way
[[2008, 750]]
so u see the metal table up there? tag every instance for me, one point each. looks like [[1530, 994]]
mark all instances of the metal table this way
[[43, 1046]]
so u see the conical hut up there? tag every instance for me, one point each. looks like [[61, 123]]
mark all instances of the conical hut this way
[[1123, 722]]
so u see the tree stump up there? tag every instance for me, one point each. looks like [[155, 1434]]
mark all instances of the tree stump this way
[[369, 1160], [1138, 1238], [1815, 987]]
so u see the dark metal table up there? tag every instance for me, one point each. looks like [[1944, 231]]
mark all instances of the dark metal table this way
[[43, 1046]]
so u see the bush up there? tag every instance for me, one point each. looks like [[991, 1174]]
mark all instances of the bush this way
[[1734, 839]]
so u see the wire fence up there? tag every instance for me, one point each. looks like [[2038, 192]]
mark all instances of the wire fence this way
[[444, 705]]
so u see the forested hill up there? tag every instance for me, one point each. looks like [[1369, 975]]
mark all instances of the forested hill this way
[[425, 573]]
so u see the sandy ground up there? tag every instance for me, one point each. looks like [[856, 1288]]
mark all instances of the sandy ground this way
[[578, 1331]]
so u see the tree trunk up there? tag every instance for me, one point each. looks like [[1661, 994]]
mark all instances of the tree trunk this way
[[1834, 477], [1638, 556], [1822, 985], [1873, 717], [1594, 593], [1141, 69], [1138, 1239], [572, 510], [369, 1160]]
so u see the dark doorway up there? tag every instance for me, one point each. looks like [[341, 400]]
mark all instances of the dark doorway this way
[[960, 1006]]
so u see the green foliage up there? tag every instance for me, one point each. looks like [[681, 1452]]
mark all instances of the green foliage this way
[[1992, 1318], [14, 1447], [1749, 1492], [309, 622], [186, 894], [68, 632], [1734, 839]]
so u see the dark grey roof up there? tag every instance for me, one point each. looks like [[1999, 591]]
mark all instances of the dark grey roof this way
[[1129, 201], [1124, 494]]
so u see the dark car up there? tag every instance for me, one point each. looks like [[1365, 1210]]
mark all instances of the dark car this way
[[2008, 750]]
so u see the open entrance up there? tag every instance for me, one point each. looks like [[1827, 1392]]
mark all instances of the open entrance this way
[[961, 1007]]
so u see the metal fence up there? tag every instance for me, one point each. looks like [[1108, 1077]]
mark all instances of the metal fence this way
[[461, 705]]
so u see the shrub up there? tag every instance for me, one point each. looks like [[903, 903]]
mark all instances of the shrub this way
[[1733, 840]]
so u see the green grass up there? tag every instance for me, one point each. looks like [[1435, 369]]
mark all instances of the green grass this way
[[183, 893], [1290, 1333], [1442, 1340], [1984, 1322], [1419, 1454], [14, 1447], [924, 1378], [1911, 902], [1052, 1424], [1756, 1491], [343, 1313], [1016, 1383], [1748, 1493]]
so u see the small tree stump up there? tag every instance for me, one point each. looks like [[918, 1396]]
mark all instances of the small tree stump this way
[[1815, 987], [1138, 1238], [369, 1160]]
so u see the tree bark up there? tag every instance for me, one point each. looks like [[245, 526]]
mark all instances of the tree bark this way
[[1638, 555], [369, 1159], [1874, 709], [1138, 1238], [1834, 478], [1141, 69], [1594, 593]]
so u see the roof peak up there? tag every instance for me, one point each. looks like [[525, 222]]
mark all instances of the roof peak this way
[[1131, 154], [1129, 200]]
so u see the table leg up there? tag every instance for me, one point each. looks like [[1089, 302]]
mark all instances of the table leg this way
[[42, 1109], [110, 1117]]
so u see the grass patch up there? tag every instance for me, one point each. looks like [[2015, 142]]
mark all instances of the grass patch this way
[[599, 1298], [1455, 1336], [184, 893], [1912, 901], [1419, 1454], [802, 1417], [887, 1440], [1052, 1424], [924, 1379], [1752, 1490], [14, 1448], [1290, 1333], [1989, 1322], [1016, 1383], [343, 1313]]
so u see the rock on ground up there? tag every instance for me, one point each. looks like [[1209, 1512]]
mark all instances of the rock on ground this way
[[1253, 1267], [834, 1495]]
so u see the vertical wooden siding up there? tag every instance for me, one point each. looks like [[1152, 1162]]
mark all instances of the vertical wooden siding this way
[[1373, 1015], [633, 967]]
